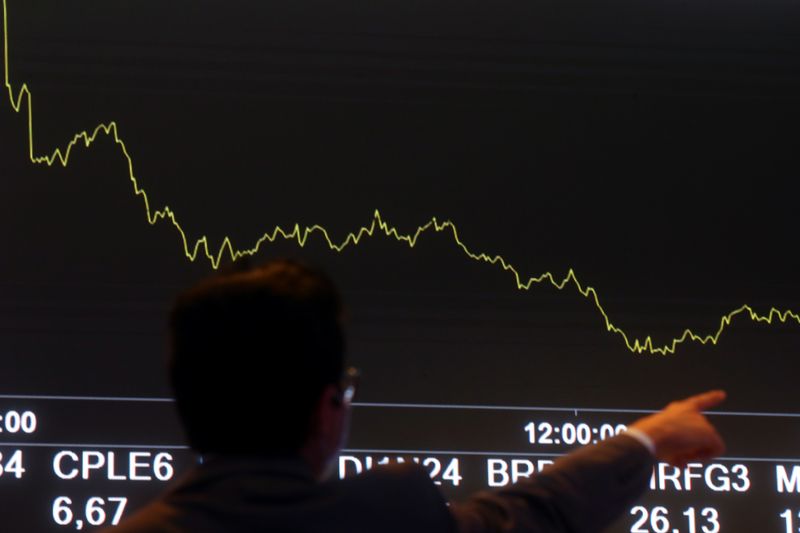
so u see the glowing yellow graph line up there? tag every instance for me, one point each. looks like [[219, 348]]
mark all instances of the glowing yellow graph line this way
[[378, 225]]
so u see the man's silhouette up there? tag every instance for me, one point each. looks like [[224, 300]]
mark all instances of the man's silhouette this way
[[258, 369]]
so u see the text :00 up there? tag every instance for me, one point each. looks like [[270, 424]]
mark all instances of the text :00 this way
[[14, 422], [569, 433]]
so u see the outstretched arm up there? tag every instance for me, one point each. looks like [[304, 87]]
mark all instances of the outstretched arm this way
[[589, 488], [680, 433]]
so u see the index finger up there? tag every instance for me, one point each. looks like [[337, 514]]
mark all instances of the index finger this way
[[706, 400]]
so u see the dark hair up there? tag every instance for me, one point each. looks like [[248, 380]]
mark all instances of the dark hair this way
[[251, 354]]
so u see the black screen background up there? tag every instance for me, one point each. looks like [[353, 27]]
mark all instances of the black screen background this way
[[649, 146]]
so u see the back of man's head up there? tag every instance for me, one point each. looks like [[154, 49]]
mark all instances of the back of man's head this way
[[251, 353]]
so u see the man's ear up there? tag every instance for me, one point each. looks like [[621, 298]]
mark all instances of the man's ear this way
[[329, 409], [325, 433]]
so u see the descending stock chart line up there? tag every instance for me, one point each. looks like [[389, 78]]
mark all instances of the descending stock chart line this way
[[201, 248]]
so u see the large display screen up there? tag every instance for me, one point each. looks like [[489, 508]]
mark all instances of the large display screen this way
[[546, 219]]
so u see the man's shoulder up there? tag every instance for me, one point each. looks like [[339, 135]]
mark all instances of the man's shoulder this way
[[386, 499], [155, 517], [407, 481], [396, 488]]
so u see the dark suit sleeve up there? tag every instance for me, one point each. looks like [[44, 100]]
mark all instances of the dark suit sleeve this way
[[402, 498], [582, 492]]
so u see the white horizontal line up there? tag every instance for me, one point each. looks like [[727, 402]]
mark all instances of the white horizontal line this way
[[73, 445], [529, 454], [558, 409], [493, 407], [86, 398], [390, 405], [449, 452]]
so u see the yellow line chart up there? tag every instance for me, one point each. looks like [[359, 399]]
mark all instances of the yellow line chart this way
[[300, 234]]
